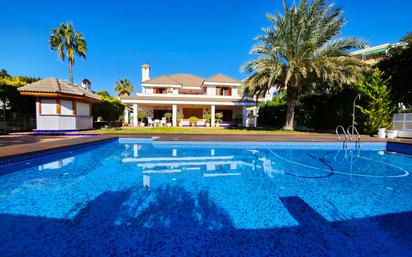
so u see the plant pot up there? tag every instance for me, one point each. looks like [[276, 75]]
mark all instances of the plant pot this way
[[181, 124], [207, 124], [142, 124], [193, 124], [217, 125], [381, 133], [381, 130], [169, 124]]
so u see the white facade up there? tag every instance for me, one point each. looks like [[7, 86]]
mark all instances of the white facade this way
[[185, 96], [62, 114]]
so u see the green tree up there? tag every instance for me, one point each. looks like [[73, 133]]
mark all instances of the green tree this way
[[141, 115], [104, 93], [3, 73], [68, 42], [109, 108], [300, 52], [11, 99], [124, 87], [397, 65], [379, 107], [168, 116]]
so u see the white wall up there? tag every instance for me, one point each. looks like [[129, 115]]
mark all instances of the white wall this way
[[235, 91], [145, 73], [58, 122], [48, 106], [83, 109], [211, 90], [66, 107], [48, 119], [147, 90]]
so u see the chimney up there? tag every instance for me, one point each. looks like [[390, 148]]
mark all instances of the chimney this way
[[145, 72], [86, 84]]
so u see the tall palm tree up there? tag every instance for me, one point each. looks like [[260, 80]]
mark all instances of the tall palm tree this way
[[300, 51], [124, 87], [68, 42]]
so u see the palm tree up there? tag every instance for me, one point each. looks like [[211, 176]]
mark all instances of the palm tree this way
[[67, 42], [300, 51], [124, 87]]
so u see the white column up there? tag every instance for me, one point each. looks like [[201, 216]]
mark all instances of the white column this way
[[135, 121], [174, 117], [38, 107], [126, 115], [244, 117], [212, 114]]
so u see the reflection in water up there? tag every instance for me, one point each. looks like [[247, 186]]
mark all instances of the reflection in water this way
[[56, 164], [271, 162], [146, 181], [136, 149]]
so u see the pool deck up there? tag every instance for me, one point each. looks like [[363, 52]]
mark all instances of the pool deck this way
[[14, 145]]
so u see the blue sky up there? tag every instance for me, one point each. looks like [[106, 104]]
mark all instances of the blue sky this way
[[199, 37]]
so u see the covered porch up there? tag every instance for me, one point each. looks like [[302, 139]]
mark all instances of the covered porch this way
[[181, 115]]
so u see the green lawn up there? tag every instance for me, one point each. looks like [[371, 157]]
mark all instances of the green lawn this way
[[215, 131]]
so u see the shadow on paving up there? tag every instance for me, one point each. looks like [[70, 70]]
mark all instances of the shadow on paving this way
[[171, 221]]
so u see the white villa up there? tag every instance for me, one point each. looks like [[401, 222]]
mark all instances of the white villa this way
[[186, 95]]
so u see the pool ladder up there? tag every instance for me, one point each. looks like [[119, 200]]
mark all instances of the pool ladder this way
[[349, 136]]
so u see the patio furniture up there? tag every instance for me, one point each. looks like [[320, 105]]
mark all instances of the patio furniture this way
[[201, 123], [186, 123], [163, 122], [150, 121]]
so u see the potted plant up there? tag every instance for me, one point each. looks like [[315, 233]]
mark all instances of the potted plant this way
[[219, 117], [382, 132], [193, 120], [141, 115], [168, 116], [208, 117], [180, 118]]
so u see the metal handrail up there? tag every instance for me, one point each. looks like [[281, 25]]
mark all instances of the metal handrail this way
[[344, 132], [354, 129]]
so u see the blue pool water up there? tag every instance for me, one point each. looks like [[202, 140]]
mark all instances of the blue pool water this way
[[137, 197]]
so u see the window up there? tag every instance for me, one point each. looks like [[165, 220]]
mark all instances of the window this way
[[224, 91], [48, 106], [160, 90], [83, 109], [66, 107]]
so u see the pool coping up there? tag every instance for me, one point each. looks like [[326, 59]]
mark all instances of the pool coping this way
[[21, 150]]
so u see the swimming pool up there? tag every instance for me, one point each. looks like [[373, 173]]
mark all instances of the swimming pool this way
[[142, 197]]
